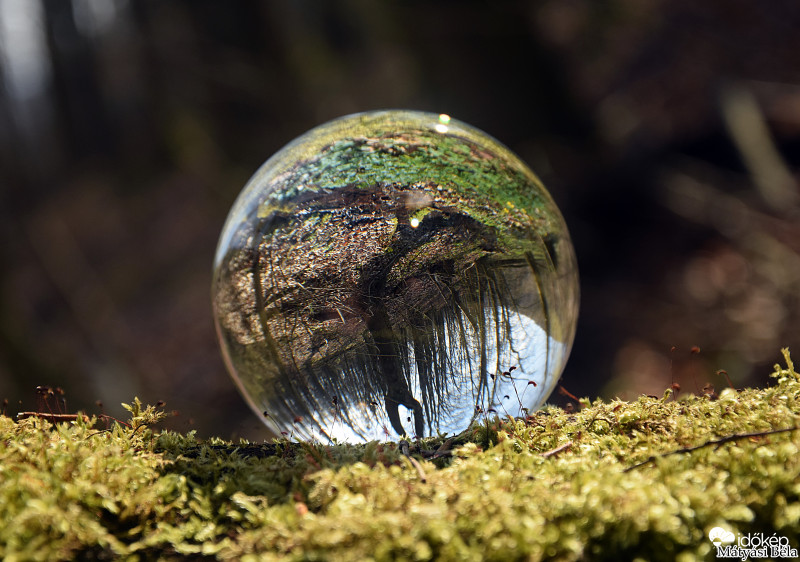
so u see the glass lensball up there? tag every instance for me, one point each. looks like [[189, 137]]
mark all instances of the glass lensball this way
[[391, 274]]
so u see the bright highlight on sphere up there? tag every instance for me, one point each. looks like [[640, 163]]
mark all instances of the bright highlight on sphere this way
[[392, 274]]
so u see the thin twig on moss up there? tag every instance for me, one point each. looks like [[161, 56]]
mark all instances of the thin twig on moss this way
[[52, 418], [720, 441], [560, 448]]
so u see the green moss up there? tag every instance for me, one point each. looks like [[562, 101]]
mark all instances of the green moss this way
[[599, 483], [483, 181]]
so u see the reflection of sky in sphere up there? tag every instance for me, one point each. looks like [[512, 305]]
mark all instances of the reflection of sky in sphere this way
[[534, 355]]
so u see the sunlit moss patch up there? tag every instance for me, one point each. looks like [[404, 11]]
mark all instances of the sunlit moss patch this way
[[614, 480]]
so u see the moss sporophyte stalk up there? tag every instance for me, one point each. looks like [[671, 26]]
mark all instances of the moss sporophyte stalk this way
[[376, 277], [654, 479]]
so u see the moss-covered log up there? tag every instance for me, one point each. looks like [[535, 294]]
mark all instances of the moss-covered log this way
[[614, 480]]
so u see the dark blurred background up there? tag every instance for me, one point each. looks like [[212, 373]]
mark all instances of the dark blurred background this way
[[668, 132]]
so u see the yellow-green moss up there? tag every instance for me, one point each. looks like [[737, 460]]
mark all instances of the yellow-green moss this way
[[556, 485]]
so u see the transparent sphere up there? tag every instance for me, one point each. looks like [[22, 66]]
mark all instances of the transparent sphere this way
[[392, 274]]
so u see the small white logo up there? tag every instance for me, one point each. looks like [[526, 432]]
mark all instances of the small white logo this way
[[719, 536], [750, 546]]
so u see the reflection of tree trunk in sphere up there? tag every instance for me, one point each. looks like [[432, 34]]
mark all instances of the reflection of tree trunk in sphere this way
[[421, 297], [386, 342], [390, 368]]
